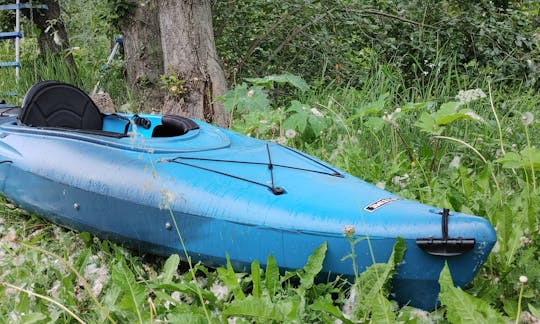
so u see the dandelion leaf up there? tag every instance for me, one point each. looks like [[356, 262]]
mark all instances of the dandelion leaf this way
[[33, 318], [256, 278], [170, 267], [327, 306], [462, 307], [382, 310], [134, 295], [271, 280], [229, 277], [313, 266], [374, 282], [184, 313], [534, 311], [257, 307]]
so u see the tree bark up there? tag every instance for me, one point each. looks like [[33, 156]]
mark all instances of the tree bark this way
[[53, 38], [189, 54], [142, 51]]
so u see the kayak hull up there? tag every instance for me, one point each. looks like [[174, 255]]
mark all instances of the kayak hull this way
[[153, 196]]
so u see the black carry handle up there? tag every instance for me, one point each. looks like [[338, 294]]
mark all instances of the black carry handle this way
[[445, 246]]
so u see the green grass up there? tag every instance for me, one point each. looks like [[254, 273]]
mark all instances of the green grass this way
[[380, 133], [48, 273]]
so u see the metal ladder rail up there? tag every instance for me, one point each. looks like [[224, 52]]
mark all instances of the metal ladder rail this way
[[16, 35]]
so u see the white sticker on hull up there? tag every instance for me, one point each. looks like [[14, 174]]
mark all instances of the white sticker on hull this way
[[379, 203]]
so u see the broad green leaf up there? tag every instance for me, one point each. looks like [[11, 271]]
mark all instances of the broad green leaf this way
[[170, 267], [373, 282], [382, 310], [446, 109], [328, 306], [534, 311], [243, 99], [526, 159], [462, 307], [134, 295], [292, 307], [297, 121], [256, 278], [184, 313], [375, 123], [370, 108], [271, 280], [298, 116], [32, 318], [398, 253], [427, 123], [230, 279], [313, 266], [281, 79], [318, 124], [448, 119], [261, 308]]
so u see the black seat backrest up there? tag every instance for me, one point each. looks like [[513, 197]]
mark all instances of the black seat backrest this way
[[172, 125], [58, 104]]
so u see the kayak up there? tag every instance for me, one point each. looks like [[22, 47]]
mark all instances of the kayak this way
[[166, 184]]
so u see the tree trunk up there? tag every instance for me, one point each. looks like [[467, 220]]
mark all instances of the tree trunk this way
[[53, 38], [142, 51], [193, 73]]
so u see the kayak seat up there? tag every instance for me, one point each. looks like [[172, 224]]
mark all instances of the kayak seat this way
[[59, 105], [172, 125]]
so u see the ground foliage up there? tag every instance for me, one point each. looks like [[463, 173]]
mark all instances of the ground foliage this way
[[336, 40], [397, 93]]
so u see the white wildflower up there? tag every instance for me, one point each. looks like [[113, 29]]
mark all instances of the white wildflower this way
[[290, 133], [474, 116], [422, 315], [527, 118], [523, 279], [455, 161], [389, 118], [202, 282], [401, 181], [281, 140], [11, 236], [56, 38], [263, 121], [19, 260], [467, 96], [316, 112], [250, 93], [220, 291], [348, 306], [176, 296], [380, 184], [524, 241], [398, 110], [348, 230], [97, 276], [54, 289]]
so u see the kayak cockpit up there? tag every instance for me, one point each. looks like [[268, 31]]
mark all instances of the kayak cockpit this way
[[56, 109], [53, 104]]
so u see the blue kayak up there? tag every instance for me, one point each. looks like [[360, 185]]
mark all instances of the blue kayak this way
[[133, 178]]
